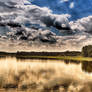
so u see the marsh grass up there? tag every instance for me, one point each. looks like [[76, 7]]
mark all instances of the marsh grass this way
[[36, 76]]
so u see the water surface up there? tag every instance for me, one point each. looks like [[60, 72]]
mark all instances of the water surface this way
[[27, 75]]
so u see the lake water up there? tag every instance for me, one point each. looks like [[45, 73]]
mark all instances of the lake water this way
[[27, 75]]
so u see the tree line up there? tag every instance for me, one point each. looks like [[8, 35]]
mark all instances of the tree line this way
[[66, 53], [86, 52]]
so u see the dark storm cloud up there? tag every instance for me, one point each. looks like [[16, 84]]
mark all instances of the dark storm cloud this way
[[33, 35]]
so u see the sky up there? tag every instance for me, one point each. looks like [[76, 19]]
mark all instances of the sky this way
[[45, 25], [76, 8]]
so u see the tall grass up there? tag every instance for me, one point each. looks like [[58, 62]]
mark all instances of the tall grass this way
[[36, 76]]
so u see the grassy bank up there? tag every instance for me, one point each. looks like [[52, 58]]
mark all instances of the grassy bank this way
[[68, 56], [75, 58]]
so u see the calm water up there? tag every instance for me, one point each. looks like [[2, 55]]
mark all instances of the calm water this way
[[27, 75], [86, 66]]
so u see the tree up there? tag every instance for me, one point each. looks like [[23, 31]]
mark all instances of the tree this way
[[87, 51]]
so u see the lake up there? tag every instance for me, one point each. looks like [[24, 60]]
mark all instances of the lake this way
[[28, 75]]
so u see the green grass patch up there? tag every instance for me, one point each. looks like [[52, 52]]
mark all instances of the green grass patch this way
[[76, 58]]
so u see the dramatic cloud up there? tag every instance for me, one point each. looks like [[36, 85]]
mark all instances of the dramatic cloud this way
[[35, 26], [84, 24]]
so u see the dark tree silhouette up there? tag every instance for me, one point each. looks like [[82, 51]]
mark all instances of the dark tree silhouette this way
[[87, 51]]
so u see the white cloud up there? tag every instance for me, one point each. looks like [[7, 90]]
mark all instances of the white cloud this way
[[72, 5], [61, 1], [21, 2], [84, 24]]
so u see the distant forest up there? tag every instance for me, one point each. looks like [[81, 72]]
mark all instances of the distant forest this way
[[86, 52], [67, 53]]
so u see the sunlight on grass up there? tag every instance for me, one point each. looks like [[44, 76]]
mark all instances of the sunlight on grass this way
[[76, 58]]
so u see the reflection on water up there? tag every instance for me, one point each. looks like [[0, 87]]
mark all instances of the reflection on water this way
[[43, 76], [86, 66]]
